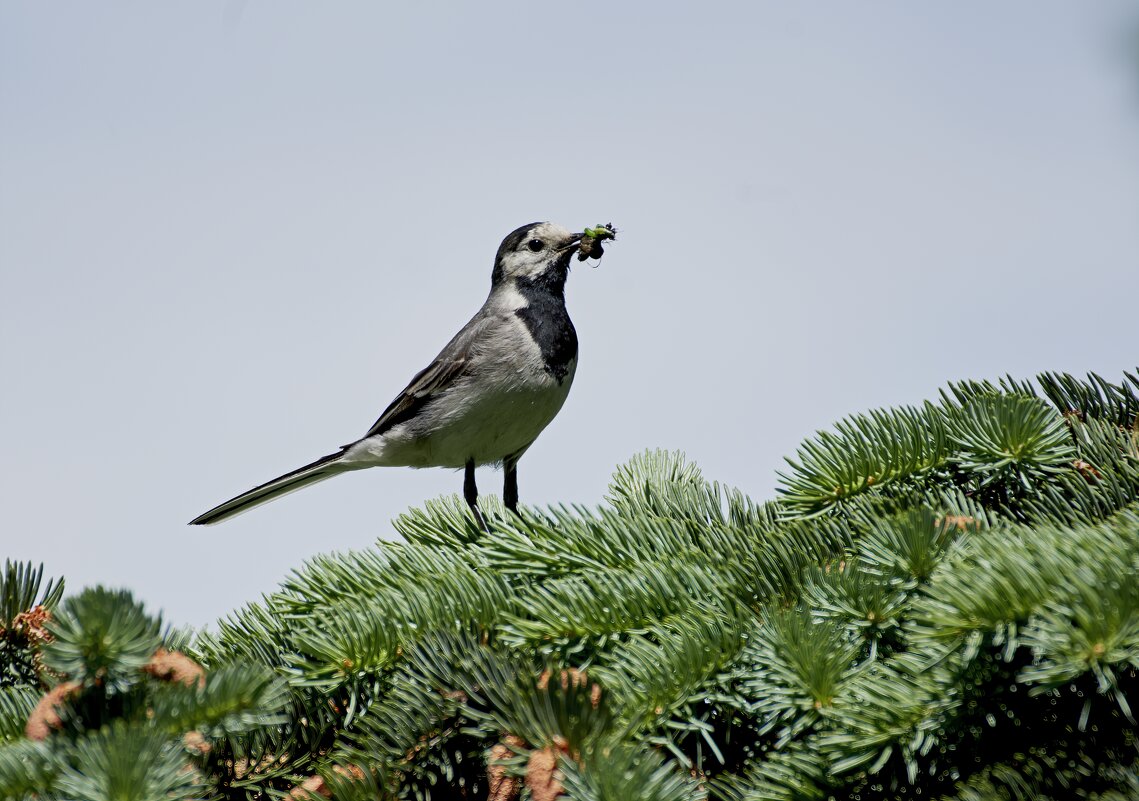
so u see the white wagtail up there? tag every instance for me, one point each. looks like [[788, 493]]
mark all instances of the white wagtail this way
[[488, 394]]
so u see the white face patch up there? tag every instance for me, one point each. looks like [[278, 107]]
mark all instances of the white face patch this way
[[545, 243]]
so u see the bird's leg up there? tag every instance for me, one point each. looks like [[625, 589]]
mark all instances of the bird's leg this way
[[471, 494], [510, 483]]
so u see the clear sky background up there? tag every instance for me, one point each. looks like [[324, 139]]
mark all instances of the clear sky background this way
[[230, 232]]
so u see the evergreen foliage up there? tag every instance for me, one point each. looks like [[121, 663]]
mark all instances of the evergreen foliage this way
[[24, 598], [112, 711], [940, 604]]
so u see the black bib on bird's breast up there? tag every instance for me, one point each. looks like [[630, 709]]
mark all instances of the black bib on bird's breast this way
[[549, 324]]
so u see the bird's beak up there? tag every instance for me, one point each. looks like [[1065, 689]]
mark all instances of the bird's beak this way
[[573, 241]]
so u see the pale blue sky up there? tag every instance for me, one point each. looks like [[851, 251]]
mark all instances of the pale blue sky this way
[[231, 231]]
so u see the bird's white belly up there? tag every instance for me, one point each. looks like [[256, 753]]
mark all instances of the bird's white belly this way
[[475, 419]]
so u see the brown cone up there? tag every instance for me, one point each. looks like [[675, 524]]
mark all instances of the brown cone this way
[[175, 666], [45, 717], [542, 775]]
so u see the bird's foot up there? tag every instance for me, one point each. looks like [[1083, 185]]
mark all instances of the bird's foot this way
[[480, 519]]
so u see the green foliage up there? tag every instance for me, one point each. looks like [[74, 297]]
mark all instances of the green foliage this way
[[940, 604], [231, 699], [609, 773], [22, 589], [1095, 398], [869, 450], [26, 769], [908, 546], [132, 763], [996, 441], [792, 670], [16, 704], [22, 593], [102, 637], [1011, 439], [128, 717]]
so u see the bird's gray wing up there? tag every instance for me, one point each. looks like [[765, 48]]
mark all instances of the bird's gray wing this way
[[452, 362]]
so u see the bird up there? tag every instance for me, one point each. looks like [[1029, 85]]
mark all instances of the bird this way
[[488, 394]]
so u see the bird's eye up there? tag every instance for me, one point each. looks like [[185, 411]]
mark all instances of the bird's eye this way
[[535, 245]]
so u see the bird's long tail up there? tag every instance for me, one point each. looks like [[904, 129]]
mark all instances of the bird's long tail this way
[[322, 468]]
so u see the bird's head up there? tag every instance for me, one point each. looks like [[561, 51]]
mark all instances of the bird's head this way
[[539, 253]]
